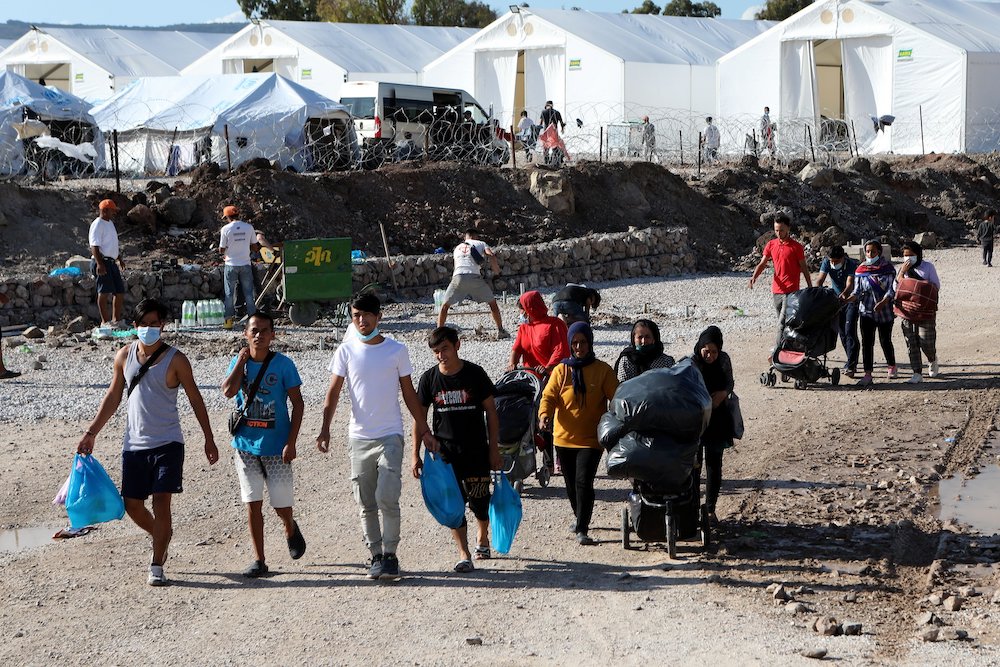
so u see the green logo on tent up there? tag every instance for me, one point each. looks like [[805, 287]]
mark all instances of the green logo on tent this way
[[574, 63], [307, 74], [78, 78], [905, 54]]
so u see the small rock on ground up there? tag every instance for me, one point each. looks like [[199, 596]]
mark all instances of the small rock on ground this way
[[815, 653]]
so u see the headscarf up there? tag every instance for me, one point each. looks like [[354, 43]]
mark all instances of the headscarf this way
[[642, 359], [577, 364], [713, 374]]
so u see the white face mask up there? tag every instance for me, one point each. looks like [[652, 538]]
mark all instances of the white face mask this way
[[836, 265]]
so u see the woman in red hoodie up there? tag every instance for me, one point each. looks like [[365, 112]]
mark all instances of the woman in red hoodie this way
[[541, 341]]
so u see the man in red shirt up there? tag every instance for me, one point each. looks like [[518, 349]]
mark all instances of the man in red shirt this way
[[789, 259]]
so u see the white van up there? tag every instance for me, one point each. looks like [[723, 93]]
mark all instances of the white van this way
[[446, 123]]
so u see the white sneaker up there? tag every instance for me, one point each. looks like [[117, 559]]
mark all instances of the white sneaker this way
[[934, 372], [156, 576], [916, 378]]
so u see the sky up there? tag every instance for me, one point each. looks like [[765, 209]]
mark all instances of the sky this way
[[148, 13]]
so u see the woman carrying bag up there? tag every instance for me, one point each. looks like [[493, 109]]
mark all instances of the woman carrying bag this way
[[717, 372]]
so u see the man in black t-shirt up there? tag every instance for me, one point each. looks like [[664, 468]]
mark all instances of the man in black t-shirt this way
[[573, 303], [462, 395]]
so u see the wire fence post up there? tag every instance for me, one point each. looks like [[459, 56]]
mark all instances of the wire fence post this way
[[920, 109], [855, 133], [756, 151], [600, 146], [115, 164], [849, 149], [680, 141], [805, 140], [699, 154], [229, 157], [812, 149], [513, 150]]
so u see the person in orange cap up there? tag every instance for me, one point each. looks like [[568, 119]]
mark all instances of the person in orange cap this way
[[105, 264], [236, 241]]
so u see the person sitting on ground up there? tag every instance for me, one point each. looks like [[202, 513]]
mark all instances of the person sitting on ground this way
[[467, 281], [574, 399], [841, 270], [573, 303], [540, 343], [874, 289], [919, 324], [466, 433], [645, 352], [717, 372]]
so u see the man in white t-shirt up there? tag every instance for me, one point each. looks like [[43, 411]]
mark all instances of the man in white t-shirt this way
[[467, 281], [377, 370], [711, 139], [236, 241], [105, 263]]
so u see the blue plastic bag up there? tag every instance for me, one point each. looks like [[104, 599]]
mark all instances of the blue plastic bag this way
[[66, 271], [92, 496], [505, 514], [439, 487]]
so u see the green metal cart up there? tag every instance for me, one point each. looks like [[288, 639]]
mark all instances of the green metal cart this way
[[311, 272]]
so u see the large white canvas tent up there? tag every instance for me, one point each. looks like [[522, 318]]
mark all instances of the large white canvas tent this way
[[33, 117], [931, 64], [323, 55], [170, 124], [599, 67], [93, 63]]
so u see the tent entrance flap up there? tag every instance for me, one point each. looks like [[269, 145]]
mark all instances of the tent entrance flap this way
[[829, 77], [868, 66], [496, 75], [798, 81]]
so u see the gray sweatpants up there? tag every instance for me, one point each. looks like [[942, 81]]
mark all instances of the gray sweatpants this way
[[780, 306], [376, 474]]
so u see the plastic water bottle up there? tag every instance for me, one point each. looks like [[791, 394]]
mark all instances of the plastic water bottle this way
[[188, 315], [438, 300], [220, 312], [201, 314]]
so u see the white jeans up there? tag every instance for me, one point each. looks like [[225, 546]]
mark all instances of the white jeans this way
[[377, 476]]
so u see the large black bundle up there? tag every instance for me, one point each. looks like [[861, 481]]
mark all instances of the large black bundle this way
[[813, 342], [659, 460], [515, 413], [811, 308], [671, 401]]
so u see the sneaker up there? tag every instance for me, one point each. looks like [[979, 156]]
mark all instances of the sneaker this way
[[390, 567], [916, 378], [893, 373], [256, 570], [849, 372], [866, 381], [296, 543], [156, 576], [502, 334], [375, 567], [935, 371], [583, 539], [228, 324]]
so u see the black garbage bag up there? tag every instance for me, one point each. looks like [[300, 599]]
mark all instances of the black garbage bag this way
[[812, 308], [671, 400], [609, 430], [663, 462]]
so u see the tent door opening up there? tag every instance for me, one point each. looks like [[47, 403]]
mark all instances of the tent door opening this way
[[53, 74], [251, 66], [827, 54]]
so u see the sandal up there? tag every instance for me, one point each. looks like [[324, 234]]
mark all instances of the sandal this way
[[482, 553], [464, 566]]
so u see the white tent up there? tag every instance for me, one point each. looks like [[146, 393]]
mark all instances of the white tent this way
[[932, 64], [323, 56], [48, 112], [93, 63], [170, 124], [599, 67]]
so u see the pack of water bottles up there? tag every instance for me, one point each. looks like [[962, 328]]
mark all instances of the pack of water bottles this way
[[202, 313]]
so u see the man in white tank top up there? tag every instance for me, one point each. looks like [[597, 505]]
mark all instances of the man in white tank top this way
[[153, 447]]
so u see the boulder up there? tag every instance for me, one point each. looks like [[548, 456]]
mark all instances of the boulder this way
[[177, 210], [859, 165], [33, 333], [926, 239], [80, 262], [817, 176], [831, 236], [142, 215], [78, 324], [881, 169], [554, 191], [162, 194]]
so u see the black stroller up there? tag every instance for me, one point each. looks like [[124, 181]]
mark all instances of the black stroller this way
[[810, 333], [517, 394], [652, 432]]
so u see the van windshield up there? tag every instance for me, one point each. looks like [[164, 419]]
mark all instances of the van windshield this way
[[360, 107]]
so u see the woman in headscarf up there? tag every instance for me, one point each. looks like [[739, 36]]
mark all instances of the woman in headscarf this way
[[916, 304], [574, 399], [874, 289], [644, 353], [717, 372]]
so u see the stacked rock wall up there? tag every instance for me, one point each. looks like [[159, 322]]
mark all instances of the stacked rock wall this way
[[655, 251]]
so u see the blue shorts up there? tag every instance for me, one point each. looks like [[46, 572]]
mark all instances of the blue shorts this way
[[157, 470], [112, 281]]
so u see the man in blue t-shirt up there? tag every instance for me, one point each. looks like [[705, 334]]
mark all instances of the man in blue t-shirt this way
[[265, 438], [841, 269]]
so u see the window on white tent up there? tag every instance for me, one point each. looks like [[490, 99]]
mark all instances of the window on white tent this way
[[53, 74]]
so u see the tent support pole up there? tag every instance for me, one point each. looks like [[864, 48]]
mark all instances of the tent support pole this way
[[388, 260], [114, 161], [921, 110], [600, 146], [812, 148], [229, 157]]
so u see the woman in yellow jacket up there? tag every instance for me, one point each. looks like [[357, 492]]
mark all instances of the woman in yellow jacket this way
[[574, 399]]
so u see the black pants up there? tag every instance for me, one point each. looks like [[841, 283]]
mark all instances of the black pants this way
[[868, 329], [711, 454], [988, 254], [579, 468], [847, 326]]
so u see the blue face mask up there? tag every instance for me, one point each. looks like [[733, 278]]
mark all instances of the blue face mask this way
[[873, 261], [363, 338], [148, 335], [644, 348]]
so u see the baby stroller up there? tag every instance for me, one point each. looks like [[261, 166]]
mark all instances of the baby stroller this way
[[652, 433], [517, 395], [810, 333]]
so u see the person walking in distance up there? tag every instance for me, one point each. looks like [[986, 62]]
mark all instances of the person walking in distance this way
[[377, 370], [985, 232], [105, 263], [711, 139], [265, 439], [148, 373], [789, 259], [467, 280], [874, 290], [237, 240]]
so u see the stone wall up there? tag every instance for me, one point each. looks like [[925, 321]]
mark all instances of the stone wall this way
[[658, 251]]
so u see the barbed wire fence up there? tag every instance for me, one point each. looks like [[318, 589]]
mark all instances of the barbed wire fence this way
[[44, 150]]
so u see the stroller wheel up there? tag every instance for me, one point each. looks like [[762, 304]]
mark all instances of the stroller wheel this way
[[772, 379], [835, 377], [763, 378], [626, 530], [543, 476], [800, 384], [519, 486], [671, 534]]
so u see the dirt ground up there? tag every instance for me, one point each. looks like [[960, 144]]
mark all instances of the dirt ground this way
[[832, 493]]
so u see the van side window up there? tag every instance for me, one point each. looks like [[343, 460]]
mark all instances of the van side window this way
[[408, 111], [360, 107]]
